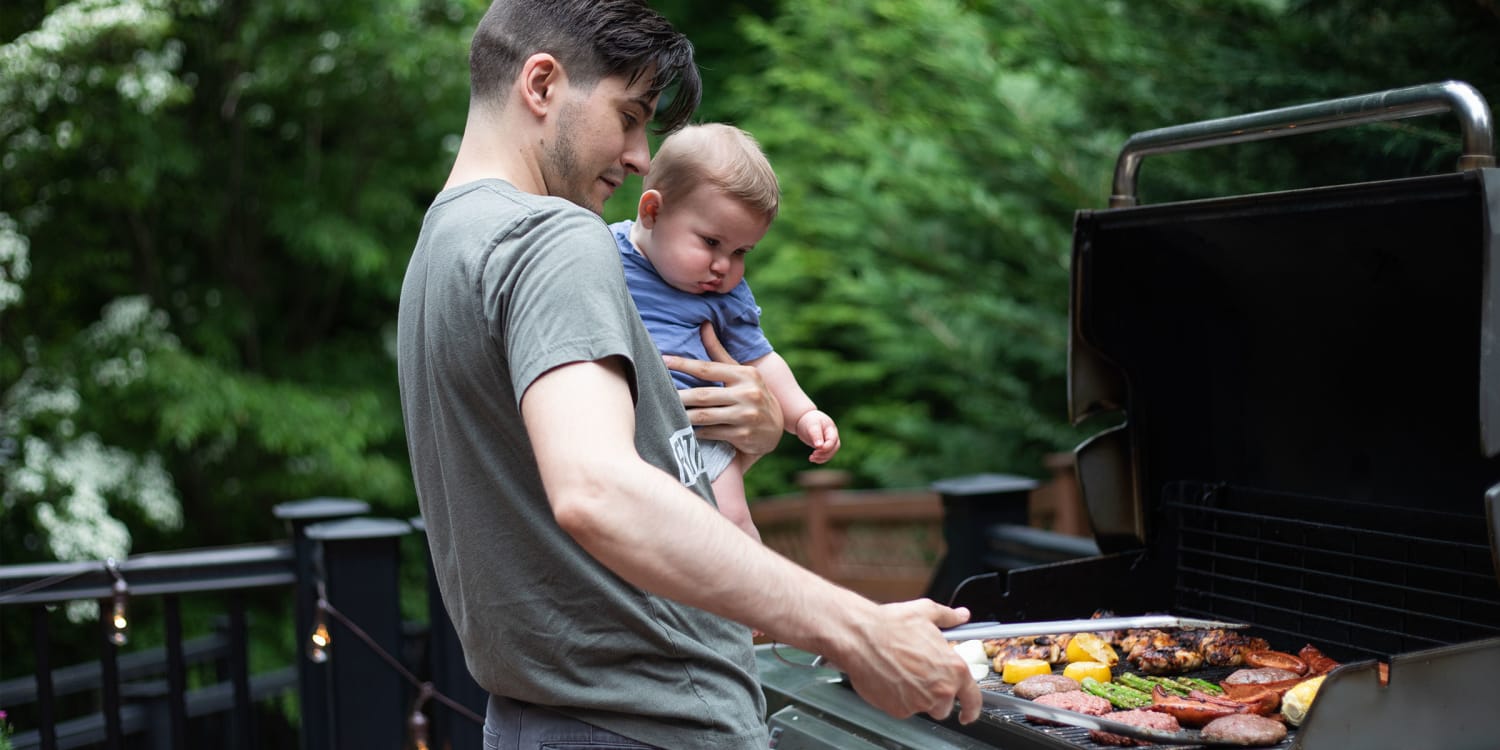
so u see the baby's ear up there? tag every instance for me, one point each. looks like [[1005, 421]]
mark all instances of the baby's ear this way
[[647, 210]]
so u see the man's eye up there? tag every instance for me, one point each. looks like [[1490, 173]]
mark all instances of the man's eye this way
[[630, 120]]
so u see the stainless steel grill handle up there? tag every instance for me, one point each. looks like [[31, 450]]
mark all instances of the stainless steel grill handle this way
[[1434, 98]]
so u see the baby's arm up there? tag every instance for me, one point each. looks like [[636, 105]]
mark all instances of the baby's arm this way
[[799, 413]]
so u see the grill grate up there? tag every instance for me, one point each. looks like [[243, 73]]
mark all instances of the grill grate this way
[[1357, 580]]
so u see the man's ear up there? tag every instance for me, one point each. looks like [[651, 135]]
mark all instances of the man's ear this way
[[542, 77], [647, 210]]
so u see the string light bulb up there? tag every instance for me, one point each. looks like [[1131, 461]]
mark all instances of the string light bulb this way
[[119, 623], [319, 642], [416, 724]]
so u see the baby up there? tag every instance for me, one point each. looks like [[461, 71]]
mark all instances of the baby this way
[[709, 196]]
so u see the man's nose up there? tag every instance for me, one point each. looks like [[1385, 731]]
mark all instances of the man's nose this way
[[637, 156]]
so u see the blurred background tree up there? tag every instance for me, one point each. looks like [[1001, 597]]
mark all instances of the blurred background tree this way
[[206, 208]]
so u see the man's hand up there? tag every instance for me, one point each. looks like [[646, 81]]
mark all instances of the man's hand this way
[[742, 413], [906, 667]]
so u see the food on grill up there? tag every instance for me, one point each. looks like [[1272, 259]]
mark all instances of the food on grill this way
[[1166, 660], [1317, 663], [1147, 684], [1223, 648], [1081, 669], [1090, 647], [1295, 703], [1276, 659], [979, 671], [1048, 648], [1245, 729], [972, 652], [1161, 652], [1016, 670], [1260, 699], [1118, 695], [1144, 719], [1037, 686], [1193, 683], [1259, 676], [1194, 709], [1075, 700]]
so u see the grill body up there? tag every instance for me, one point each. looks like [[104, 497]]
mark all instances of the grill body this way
[[1298, 400]]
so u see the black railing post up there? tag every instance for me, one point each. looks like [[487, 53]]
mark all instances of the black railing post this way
[[450, 675], [312, 678], [46, 713], [176, 699], [360, 568], [109, 679], [972, 504]]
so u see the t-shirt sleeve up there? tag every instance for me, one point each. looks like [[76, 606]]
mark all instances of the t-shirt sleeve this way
[[740, 331], [554, 293]]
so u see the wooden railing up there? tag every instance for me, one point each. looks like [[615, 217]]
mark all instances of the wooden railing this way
[[880, 543], [886, 544]]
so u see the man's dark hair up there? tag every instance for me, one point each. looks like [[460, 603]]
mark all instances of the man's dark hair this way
[[593, 39]]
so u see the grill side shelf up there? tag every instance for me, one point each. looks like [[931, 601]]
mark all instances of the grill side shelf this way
[[1442, 697]]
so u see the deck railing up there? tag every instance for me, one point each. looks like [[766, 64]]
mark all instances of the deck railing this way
[[375, 682]]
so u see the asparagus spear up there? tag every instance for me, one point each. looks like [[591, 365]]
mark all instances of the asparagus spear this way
[[1119, 696]]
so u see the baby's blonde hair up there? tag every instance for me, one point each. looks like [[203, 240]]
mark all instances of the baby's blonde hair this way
[[722, 155]]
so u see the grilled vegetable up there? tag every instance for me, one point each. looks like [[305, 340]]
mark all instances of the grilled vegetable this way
[[1295, 703], [1090, 647], [1193, 683], [1081, 669], [1118, 695], [1145, 684], [1016, 670]]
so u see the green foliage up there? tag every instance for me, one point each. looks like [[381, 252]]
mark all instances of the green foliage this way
[[916, 278]]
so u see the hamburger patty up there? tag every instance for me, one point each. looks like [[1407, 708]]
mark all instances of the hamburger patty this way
[[1139, 718], [1075, 700], [1245, 729], [1036, 686], [1260, 676]]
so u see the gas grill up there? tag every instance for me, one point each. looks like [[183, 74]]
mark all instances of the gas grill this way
[[1301, 399]]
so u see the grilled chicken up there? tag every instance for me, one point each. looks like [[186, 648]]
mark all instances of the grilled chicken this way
[[1162, 652], [1049, 648], [1166, 660]]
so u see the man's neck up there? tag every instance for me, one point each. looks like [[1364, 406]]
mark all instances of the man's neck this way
[[485, 154]]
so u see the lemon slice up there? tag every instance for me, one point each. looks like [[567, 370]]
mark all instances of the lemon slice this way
[[1081, 669], [1016, 670], [1090, 647]]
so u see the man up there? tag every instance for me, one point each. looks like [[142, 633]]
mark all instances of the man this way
[[598, 594]]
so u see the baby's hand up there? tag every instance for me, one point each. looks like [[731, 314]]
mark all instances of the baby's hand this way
[[817, 429]]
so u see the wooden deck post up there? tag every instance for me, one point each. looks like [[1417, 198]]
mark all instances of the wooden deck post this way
[[819, 485]]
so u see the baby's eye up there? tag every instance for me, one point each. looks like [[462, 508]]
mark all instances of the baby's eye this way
[[742, 252], [711, 242]]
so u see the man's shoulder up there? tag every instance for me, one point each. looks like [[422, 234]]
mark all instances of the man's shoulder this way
[[497, 199]]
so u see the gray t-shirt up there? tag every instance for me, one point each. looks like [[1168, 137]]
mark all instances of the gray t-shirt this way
[[502, 287]]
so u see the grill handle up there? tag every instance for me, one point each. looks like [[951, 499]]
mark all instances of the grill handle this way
[[1433, 98]]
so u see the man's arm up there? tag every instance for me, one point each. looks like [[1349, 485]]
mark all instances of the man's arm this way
[[744, 413], [581, 423]]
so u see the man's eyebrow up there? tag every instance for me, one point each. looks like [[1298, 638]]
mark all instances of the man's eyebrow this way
[[645, 104]]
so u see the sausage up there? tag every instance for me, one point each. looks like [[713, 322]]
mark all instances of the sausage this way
[[1196, 708], [1317, 663], [1276, 660]]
